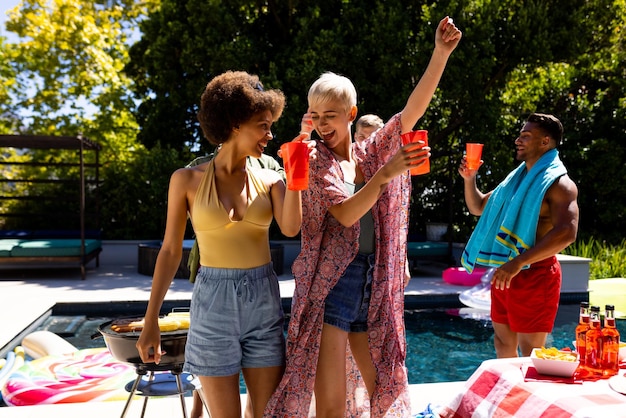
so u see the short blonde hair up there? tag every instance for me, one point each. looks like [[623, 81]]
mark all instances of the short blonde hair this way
[[369, 121], [330, 86]]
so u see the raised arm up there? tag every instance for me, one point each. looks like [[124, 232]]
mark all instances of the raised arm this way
[[447, 37], [474, 198]]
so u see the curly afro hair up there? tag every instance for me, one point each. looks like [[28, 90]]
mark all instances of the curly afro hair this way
[[233, 98]]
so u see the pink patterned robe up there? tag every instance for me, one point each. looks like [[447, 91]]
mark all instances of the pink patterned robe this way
[[327, 249]]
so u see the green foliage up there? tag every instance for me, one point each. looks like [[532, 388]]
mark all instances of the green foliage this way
[[64, 77], [607, 260], [44, 190], [563, 57], [8, 120], [69, 64], [516, 57], [135, 194]]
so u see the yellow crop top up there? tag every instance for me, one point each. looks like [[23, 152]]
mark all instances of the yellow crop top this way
[[232, 244]]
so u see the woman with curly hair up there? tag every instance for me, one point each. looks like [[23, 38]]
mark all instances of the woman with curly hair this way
[[236, 311]]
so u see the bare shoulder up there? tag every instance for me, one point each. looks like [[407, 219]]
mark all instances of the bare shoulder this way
[[566, 184], [269, 177], [563, 189], [188, 175]]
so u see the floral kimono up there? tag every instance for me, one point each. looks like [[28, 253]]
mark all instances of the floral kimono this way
[[327, 249]]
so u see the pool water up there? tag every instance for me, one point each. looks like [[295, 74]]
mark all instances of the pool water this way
[[443, 345], [448, 345]]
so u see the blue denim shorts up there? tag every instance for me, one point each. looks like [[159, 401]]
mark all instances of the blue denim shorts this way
[[348, 302], [236, 321]]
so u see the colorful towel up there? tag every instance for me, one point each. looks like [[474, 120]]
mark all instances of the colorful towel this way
[[508, 224]]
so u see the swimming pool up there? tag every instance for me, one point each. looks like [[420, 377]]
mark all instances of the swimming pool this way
[[443, 345], [448, 345]]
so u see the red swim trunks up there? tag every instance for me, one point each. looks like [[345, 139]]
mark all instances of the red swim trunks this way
[[532, 301]]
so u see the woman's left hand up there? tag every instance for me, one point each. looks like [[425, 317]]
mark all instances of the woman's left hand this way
[[448, 35]]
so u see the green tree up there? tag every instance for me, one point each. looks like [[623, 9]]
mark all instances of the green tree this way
[[8, 120], [135, 204], [63, 77], [516, 57], [588, 93], [564, 56], [67, 69]]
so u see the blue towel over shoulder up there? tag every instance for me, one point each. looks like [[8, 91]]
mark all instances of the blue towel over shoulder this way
[[508, 225]]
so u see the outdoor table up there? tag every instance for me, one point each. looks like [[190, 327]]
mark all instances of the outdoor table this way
[[498, 388]]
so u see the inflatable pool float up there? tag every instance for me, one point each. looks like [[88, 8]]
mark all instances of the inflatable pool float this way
[[475, 314], [13, 361], [479, 296], [460, 277], [82, 376], [45, 343]]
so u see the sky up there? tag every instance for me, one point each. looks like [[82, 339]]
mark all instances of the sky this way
[[5, 6]]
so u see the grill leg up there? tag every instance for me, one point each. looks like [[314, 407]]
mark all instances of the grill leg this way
[[179, 385], [140, 373], [145, 399], [181, 394]]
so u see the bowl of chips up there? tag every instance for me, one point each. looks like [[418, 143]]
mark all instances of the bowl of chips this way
[[554, 362]]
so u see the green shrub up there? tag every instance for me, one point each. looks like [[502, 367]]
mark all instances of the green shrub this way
[[607, 260], [134, 194]]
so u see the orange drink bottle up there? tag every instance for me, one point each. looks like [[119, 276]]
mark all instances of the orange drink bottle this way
[[581, 331], [593, 343], [610, 343]]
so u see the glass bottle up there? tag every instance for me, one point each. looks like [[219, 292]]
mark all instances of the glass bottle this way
[[610, 343], [581, 331], [593, 343]]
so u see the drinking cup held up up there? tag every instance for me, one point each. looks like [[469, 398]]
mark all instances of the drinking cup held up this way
[[473, 153], [414, 136], [295, 156]]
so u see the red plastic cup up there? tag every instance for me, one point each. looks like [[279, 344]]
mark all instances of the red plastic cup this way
[[414, 136], [296, 161], [473, 153]]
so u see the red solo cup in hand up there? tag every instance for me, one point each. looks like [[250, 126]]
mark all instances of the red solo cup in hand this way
[[414, 136], [295, 155], [473, 153]]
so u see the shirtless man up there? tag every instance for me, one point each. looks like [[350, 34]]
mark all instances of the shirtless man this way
[[526, 285]]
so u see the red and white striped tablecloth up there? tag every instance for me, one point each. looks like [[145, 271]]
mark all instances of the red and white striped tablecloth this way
[[498, 389]]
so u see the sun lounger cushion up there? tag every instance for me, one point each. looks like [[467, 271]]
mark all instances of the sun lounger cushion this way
[[46, 247], [426, 249], [6, 245]]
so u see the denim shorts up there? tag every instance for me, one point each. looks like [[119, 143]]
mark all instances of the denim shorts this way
[[348, 302], [236, 321]]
